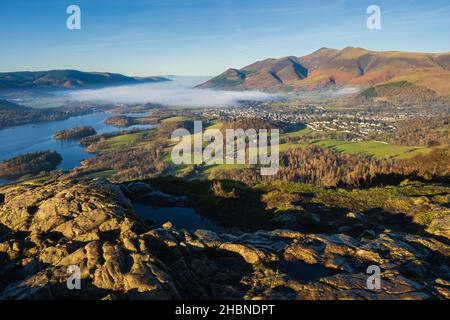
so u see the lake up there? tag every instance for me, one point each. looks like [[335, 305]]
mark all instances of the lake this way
[[27, 138]]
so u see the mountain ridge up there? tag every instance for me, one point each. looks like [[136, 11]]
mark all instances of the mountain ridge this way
[[351, 66], [68, 78]]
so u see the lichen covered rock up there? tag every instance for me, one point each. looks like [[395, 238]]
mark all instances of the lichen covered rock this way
[[46, 228]]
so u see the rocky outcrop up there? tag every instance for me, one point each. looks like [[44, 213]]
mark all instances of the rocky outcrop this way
[[46, 228], [440, 224]]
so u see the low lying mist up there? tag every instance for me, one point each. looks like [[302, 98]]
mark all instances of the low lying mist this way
[[179, 92]]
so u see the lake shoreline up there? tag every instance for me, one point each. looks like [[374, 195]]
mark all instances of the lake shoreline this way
[[34, 137]]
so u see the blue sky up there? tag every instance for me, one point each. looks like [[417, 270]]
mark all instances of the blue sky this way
[[205, 37]]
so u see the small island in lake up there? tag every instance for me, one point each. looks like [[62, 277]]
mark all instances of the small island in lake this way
[[30, 163], [75, 133]]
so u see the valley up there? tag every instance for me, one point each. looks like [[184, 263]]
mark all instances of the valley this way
[[224, 159], [363, 179]]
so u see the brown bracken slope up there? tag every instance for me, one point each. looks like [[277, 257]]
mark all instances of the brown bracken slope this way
[[350, 67]]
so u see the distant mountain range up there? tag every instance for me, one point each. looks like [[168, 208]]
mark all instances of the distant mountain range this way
[[331, 68], [68, 79]]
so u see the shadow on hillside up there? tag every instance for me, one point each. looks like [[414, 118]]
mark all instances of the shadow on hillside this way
[[247, 212], [238, 207]]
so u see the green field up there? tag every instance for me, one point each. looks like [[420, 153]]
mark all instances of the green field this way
[[297, 133], [376, 149], [122, 141], [373, 148], [119, 142], [173, 119]]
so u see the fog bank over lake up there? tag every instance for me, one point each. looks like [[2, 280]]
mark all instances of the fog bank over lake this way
[[179, 92]]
